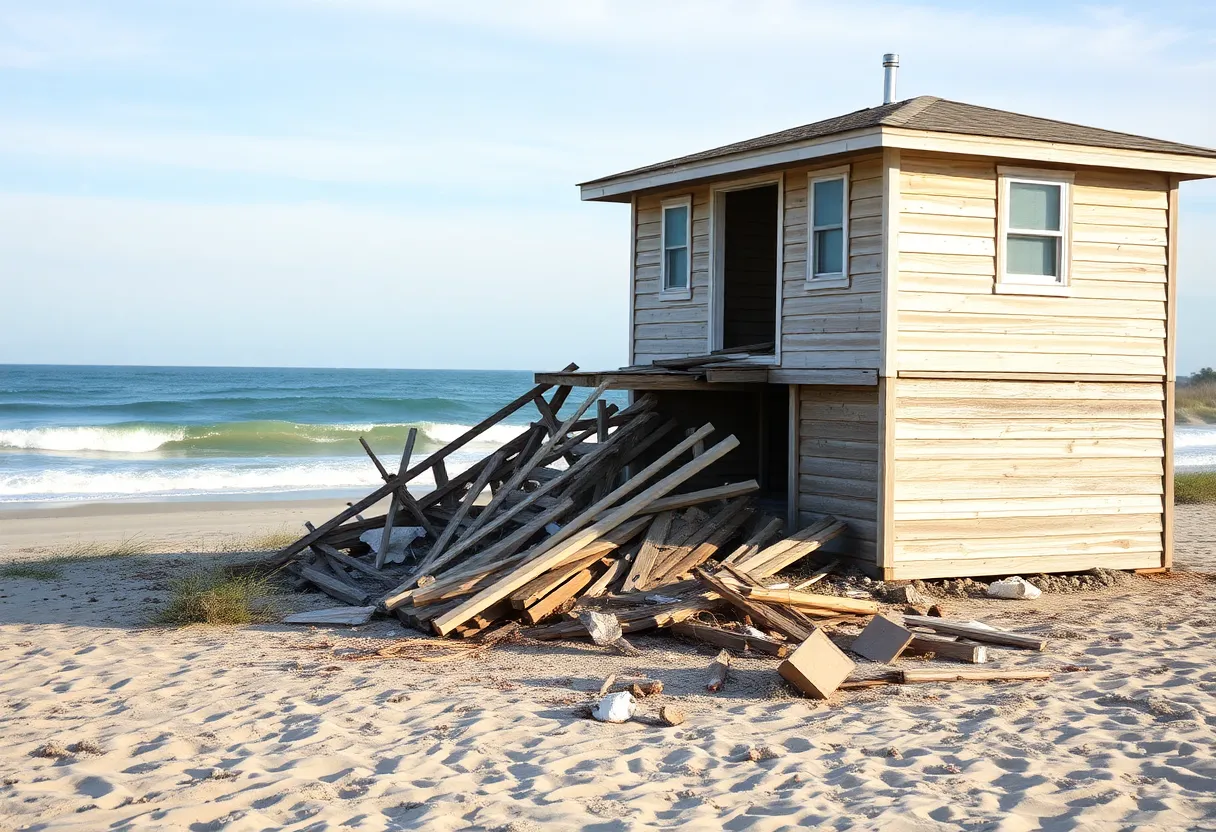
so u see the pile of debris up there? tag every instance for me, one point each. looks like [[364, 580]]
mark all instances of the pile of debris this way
[[592, 527]]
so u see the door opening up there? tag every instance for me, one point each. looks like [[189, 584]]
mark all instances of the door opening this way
[[749, 225]]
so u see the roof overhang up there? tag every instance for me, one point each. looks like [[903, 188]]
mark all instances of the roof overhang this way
[[620, 188]]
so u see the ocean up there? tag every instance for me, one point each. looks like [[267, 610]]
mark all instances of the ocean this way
[[83, 433], [76, 434]]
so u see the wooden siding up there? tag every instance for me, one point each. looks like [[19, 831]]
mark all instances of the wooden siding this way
[[834, 328], [949, 319], [663, 327], [838, 449], [1001, 477]]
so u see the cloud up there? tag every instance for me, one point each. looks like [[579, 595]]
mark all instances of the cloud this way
[[34, 37]]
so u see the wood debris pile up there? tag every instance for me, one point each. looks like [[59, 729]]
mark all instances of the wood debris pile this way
[[599, 514]]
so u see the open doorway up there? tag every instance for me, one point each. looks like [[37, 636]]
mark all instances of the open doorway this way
[[747, 223]]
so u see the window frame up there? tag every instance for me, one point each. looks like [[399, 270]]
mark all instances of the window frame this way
[[666, 291], [1028, 284], [827, 280]]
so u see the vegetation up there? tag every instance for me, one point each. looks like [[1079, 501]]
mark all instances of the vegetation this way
[[1195, 487], [128, 546], [218, 596], [36, 571], [1195, 401]]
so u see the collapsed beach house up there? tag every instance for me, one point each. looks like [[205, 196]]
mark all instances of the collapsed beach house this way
[[951, 327]]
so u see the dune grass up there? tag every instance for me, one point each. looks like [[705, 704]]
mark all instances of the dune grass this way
[[218, 596], [1195, 487], [1195, 403], [36, 571]]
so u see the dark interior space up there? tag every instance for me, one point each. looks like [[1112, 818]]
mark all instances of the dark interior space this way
[[758, 418], [749, 272]]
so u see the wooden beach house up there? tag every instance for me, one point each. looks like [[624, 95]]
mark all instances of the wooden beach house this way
[[950, 326]]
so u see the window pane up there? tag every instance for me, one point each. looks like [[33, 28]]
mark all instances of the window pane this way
[[829, 202], [1034, 207], [1032, 255], [675, 226], [829, 251], [677, 268]]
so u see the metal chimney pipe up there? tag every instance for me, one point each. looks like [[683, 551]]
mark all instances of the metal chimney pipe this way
[[890, 68]]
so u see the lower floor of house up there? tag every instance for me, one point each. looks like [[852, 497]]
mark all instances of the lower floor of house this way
[[953, 477]]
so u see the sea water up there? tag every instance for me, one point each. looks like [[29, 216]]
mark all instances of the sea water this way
[[85, 433]]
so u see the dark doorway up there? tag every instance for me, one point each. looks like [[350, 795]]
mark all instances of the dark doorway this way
[[749, 268]]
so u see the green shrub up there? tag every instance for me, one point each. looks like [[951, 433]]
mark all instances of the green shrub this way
[[219, 596], [1195, 487]]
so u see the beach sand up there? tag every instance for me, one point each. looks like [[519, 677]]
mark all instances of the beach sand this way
[[108, 723]]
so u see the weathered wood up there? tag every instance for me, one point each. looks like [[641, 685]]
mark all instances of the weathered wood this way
[[393, 505], [947, 648], [705, 495], [817, 667], [819, 574], [795, 547], [352, 563], [380, 493], [967, 675], [959, 628], [731, 639], [567, 591], [763, 533], [333, 586], [717, 672], [403, 497], [347, 616], [634, 620], [811, 601], [761, 613], [705, 544], [470, 498], [568, 545], [611, 575], [639, 573]]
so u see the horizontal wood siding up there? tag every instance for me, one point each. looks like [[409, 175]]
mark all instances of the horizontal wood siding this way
[[949, 318], [838, 446], [663, 327], [834, 328], [1002, 477]]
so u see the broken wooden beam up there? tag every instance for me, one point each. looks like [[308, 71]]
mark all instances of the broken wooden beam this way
[[717, 672], [732, 639], [966, 630]]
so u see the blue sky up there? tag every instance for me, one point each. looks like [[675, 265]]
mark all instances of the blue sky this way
[[391, 182]]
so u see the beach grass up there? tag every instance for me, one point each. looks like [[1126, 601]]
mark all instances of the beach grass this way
[[218, 596], [36, 571], [1195, 487], [1195, 403], [85, 550]]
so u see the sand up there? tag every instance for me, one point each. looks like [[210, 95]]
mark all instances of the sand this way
[[270, 727]]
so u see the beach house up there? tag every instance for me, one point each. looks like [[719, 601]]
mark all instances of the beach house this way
[[950, 326]]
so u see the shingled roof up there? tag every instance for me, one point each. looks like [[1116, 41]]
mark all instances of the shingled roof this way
[[937, 115]]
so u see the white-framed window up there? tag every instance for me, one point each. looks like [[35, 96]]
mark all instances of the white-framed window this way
[[675, 238], [1035, 210], [827, 255]]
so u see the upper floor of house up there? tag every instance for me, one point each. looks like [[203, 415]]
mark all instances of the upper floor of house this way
[[919, 237]]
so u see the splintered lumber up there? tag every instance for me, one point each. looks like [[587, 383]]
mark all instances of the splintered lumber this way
[[346, 560], [817, 667], [403, 495], [604, 582], [333, 586], [762, 535], [347, 616], [705, 495], [572, 474], [732, 640], [291, 550], [639, 573], [569, 588], [810, 601], [394, 503], [965, 630], [770, 617], [526, 468], [646, 687], [947, 648], [882, 640], [632, 621], [462, 511], [537, 588], [967, 675], [717, 672], [567, 545], [706, 543], [772, 560]]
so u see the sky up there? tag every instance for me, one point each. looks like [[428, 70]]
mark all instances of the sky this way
[[390, 183]]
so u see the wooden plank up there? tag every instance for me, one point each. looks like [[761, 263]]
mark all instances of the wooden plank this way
[[453, 526], [987, 508], [732, 640], [558, 552], [763, 614], [705, 495], [334, 587], [909, 570], [961, 549], [809, 600], [639, 573], [345, 616], [962, 675], [1027, 467], [721, 529], [1028, 527], [548, 605], [965, 630], [947, 648]]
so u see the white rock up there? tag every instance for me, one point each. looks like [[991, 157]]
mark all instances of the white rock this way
[[1014, 588], [616, 707]]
